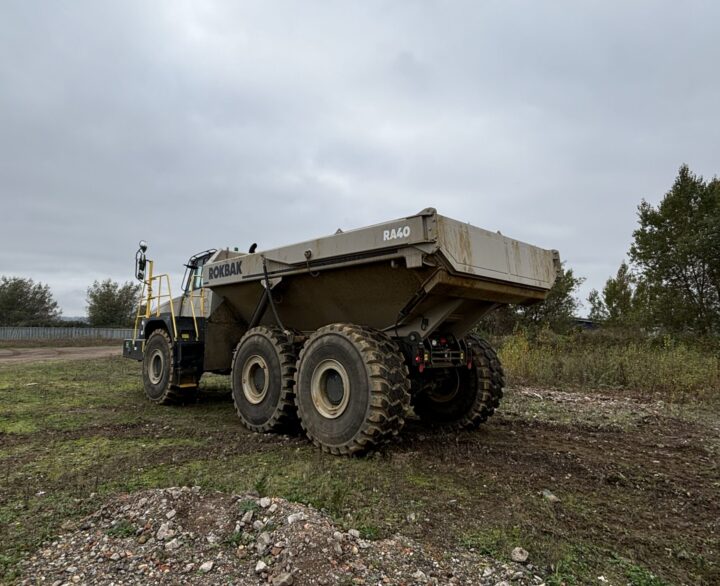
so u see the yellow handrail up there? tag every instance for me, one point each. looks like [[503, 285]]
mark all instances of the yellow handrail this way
[[153, 302], [192, 296], [150, 303]]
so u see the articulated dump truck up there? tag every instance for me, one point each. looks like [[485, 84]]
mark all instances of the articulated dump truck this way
[[346, 333]]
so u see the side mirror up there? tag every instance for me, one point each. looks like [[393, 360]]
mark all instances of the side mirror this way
[[140, 261]]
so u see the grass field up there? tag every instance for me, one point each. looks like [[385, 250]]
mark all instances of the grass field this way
[[637, 478]]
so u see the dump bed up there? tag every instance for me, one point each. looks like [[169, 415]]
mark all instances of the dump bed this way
[[414, 274]]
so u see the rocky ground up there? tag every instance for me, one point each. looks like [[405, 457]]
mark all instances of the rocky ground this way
[[192, 536]]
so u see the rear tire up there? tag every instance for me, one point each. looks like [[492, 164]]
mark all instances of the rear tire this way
[[352, 389], [157, 369], [263, 380], [462, 398]]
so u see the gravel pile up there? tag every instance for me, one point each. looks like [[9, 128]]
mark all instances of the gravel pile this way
[[191, 536]]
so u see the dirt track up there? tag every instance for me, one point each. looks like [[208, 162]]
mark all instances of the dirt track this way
[[25, 355]]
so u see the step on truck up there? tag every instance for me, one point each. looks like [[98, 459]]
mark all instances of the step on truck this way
[[344, 334]]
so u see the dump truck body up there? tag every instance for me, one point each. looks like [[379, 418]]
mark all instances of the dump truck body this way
[[416, 274], [412, 288]]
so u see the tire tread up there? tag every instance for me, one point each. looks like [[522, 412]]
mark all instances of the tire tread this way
[[172, 395], [285, 411], [388, 382]]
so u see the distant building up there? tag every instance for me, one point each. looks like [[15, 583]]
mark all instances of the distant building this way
[[77, 319], [586, 323]]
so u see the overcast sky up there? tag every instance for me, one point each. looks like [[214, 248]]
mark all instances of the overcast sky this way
[[212, 124]]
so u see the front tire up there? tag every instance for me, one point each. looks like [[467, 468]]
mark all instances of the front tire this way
[[263, 382], [462, 398], [352, 389], [157, 369]]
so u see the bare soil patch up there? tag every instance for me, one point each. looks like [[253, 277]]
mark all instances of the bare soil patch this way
[[28, 355]]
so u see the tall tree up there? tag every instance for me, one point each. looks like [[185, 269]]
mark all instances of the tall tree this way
[[111, 304], [676, 250], [26, 303], [616, 304]]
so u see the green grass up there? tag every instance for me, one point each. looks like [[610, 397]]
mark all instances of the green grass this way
[[84, 433], [639, 576], [495, 542]]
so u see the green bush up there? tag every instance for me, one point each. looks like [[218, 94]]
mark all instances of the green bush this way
[[672, 370]]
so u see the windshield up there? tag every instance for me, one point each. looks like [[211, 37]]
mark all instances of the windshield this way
[[192, 280]]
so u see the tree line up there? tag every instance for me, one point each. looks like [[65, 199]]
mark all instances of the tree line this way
[[26, 303], [670, 282]]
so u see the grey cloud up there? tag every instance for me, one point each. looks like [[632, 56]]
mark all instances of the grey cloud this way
[[219, 123]]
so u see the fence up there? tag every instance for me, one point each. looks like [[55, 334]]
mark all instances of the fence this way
[[50, 333]]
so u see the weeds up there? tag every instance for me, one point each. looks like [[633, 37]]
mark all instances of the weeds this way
[[248, 505], [123, 528], [261, 485], [240, 538], [493, 541], [675, 372], [369, 531], [637, 575]]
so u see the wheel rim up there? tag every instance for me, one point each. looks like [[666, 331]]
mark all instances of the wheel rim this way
[[255, 380], [330, 389], [157, 367]]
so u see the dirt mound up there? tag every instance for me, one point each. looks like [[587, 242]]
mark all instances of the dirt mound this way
[[190, 536]]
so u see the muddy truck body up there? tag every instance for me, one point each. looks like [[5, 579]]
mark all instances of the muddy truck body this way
[[346, 333]]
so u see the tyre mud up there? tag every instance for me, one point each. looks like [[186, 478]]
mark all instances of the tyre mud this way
[[263, 380], [360, 405]]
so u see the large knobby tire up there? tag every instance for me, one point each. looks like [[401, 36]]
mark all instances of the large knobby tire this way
[[462, 398], [263, 380], [157, 369], [352, 389]]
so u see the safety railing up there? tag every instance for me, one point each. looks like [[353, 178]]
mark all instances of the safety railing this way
[[156, 290], [192, 295]]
